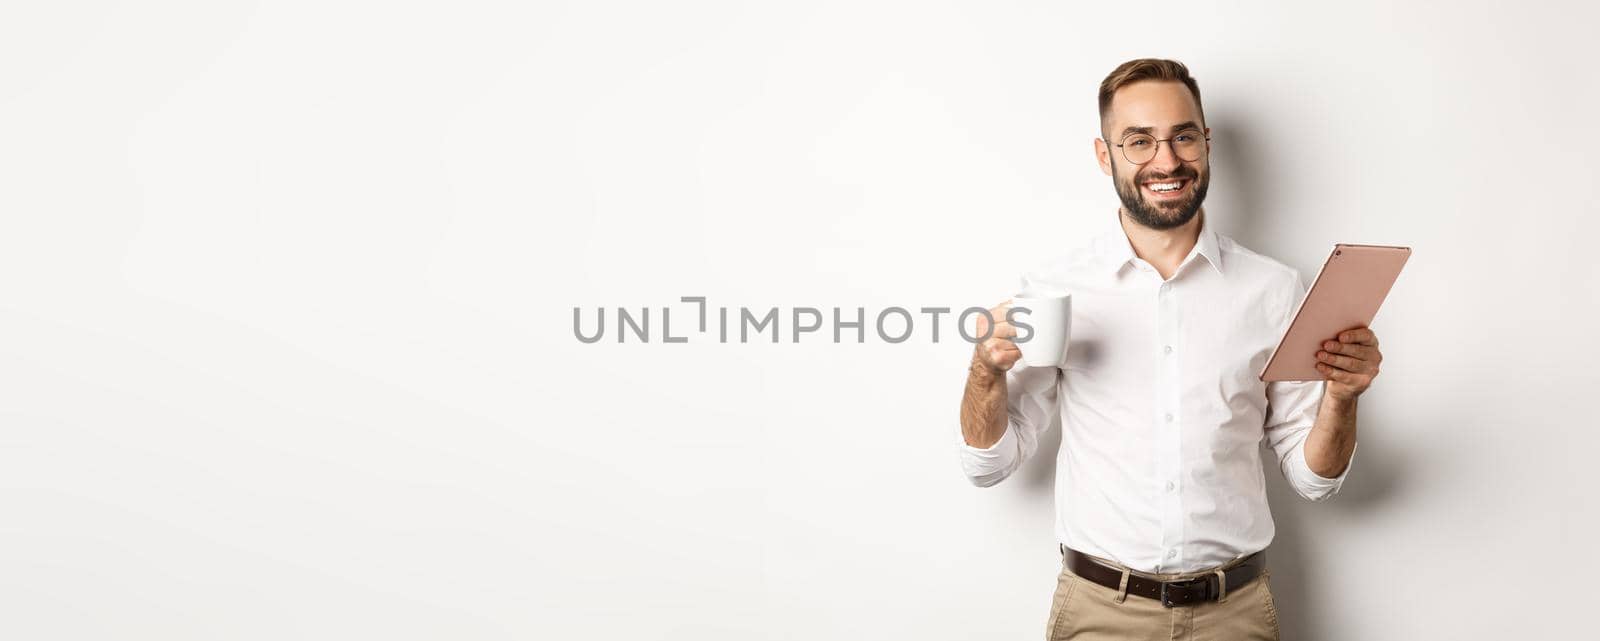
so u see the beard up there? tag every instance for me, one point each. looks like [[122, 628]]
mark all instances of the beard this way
[[1162, 215]]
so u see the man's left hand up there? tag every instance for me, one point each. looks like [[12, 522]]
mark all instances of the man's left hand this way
[[1350, 363]]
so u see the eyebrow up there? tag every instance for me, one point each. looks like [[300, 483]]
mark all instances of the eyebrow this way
[[1188, 124]]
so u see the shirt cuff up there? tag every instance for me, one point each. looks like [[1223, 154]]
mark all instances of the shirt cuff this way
[[1006, 444], [1338, 480], [987, 466], [1314, 486]]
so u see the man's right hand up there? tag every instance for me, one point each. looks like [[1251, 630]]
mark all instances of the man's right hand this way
[[997, 353]]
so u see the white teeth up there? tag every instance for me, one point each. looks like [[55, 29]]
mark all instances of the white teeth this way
[[1164, 186]]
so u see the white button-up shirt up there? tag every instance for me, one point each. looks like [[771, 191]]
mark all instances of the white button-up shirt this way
[[1161, 407]]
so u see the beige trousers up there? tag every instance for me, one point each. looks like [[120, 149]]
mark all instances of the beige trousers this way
[[1087, 611]]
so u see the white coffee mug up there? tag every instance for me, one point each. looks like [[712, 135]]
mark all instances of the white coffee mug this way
[[1044, 328]]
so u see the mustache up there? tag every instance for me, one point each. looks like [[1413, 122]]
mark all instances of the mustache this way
[[1179, 173]]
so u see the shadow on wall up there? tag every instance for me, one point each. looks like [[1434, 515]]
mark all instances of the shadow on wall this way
[[1241, 172], [1300, 557]]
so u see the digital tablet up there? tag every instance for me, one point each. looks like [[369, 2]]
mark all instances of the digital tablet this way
[[1346, 295]]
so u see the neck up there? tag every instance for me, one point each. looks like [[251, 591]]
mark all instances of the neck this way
[[1164, 249]]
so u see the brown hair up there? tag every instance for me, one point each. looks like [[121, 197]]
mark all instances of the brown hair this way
[[1133, 71]]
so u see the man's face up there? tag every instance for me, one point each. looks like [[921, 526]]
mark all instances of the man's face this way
[[1160, 109]]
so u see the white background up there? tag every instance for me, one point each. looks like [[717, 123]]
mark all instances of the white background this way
[[286, 293]]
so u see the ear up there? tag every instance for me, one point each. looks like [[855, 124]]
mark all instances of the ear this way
[[1208, 142], [1102, 153]]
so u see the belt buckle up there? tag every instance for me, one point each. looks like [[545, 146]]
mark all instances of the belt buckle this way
[[1166, 601]]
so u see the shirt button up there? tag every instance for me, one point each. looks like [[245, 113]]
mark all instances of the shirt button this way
[[1172, 554], [1169, 417], [1171, 485], [1167, 349]]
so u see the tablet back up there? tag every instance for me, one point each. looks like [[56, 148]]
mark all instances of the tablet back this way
[[1346, 295]]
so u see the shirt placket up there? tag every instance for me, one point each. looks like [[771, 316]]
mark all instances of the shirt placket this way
[[1170, 419]]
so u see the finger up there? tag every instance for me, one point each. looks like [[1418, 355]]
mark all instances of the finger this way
[[1357, 350], [1002, 342], [990, 317], [1336, 374], [997, 314], [1003, 354], [1361, 335], [1347, 363], [1005, 341], [1003, 329], [1359, 379]]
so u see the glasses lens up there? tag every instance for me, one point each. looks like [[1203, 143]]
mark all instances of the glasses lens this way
[[1139, 148], [1188, 145]]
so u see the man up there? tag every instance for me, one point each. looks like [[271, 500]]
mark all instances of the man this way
[[1161, 507]]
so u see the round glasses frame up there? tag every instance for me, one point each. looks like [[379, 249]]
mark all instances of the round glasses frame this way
[[1155, 150]]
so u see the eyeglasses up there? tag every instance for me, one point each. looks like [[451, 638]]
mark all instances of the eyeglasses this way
[[1188, 145]]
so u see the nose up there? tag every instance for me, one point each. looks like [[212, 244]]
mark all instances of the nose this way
[[1166, 159]]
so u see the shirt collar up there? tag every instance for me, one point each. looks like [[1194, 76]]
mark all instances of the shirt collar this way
[[1119, 250]]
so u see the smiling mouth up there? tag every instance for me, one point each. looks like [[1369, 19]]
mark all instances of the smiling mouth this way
[[1167, 188]]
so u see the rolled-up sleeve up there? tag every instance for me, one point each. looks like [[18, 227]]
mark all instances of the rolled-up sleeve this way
[[1291, 413], [1031, 402]]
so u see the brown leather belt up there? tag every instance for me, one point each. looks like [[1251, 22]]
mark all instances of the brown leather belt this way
[[1169, 593]]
